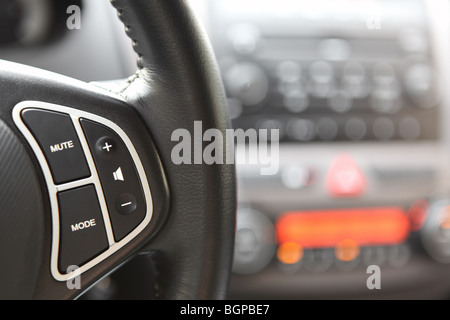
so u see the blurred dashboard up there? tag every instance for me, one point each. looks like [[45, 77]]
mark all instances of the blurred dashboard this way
[[355, 89], [357, 92]]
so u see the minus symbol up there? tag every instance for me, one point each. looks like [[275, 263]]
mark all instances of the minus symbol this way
[[126, 204]]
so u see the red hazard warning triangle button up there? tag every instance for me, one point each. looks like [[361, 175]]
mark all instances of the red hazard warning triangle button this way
[[344, 178]]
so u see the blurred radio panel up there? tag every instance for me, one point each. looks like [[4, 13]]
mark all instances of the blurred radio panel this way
[[329, 228], [328, 70]]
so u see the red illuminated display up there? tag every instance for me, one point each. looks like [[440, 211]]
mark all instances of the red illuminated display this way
[[367, 226]]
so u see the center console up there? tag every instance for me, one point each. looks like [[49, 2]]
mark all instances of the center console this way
[[355, 90]]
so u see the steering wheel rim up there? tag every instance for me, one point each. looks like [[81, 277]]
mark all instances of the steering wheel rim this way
[[192, 229]]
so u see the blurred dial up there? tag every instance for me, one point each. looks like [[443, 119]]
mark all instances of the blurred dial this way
[[255, 242], [435, 233], [247, 83]]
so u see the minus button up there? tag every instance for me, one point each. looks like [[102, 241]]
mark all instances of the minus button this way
[[126, 203]]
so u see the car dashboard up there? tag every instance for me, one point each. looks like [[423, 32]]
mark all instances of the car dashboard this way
[[357, 93]]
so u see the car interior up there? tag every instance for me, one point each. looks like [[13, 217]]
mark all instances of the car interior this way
[[359, 205]]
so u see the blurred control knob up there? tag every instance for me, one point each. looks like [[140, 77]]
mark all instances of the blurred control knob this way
[[248, 83], [255, 242], [322, 79], [435, 233], [420, 84]]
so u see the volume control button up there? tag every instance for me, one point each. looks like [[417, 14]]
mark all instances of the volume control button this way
[[118, 177]]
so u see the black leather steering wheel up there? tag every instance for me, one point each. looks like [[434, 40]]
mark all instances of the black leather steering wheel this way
[[191, 230]]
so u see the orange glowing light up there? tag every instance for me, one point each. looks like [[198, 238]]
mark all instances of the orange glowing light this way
[[289, 253], [445, 224], [367, 226], [347, 250], [445, 218], [417, 214]]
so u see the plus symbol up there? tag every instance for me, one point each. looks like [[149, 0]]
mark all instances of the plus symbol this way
[[107, 147]]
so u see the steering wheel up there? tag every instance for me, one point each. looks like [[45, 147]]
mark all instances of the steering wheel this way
[[87, 179]]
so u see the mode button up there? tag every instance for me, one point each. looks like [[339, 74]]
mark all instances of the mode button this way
[[82, 228]]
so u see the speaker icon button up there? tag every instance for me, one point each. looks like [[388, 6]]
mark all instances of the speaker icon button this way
[[118, 175]]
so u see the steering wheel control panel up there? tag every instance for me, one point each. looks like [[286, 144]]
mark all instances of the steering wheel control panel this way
[[97, 186]]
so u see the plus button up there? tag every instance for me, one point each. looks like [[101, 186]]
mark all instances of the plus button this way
[[107, 147]]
